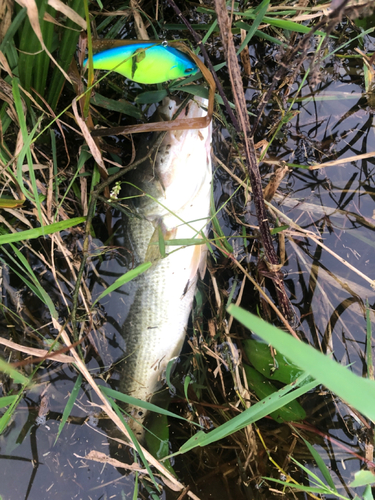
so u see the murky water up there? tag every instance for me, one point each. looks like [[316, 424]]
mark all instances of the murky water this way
[[336, 204]]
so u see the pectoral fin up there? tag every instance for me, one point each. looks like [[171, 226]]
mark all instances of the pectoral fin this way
[[156, 249], [198, 261]]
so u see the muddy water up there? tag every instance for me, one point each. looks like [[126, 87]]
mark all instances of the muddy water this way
[[335, 203]]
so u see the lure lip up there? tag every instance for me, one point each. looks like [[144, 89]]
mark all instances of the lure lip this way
[[164, 62]]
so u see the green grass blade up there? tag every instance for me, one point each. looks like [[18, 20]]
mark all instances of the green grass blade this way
[[184, 242], [120, 106], [31, 234], [4, 420], [125, 278], [13, 29], [69, 405], [207, 35], [136, 485], [138, 402], [315, 478], [301, 487], [27, 141], [186, 387], [168, 374], [135, 442], [67, 48], [266, 36], [13, 373], [83, 157], [355, 390], [29, 46], [321, 465], [260, 13], [283, 24], [42, 60], [249, 416], [35, 286], [216, 225], [157, 440], [7, 400]]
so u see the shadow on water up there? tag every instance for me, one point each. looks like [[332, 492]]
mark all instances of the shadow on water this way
[[334, 121]]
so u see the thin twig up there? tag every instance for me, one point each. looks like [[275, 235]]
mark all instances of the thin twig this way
[[251, 161]]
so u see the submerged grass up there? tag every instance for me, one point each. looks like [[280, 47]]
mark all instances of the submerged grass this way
[[61, 197]]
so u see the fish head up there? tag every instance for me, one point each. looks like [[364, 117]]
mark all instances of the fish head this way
[[183, 161]]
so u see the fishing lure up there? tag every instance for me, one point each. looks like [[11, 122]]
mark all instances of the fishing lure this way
[[146, 62], [177, 60]]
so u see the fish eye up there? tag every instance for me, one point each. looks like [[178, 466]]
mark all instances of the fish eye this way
[[189, 70]]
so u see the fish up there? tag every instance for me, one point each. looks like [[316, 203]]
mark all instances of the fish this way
[[145, 62], [177, 205]]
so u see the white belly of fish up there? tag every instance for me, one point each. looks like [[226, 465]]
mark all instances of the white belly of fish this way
[[155, 328]]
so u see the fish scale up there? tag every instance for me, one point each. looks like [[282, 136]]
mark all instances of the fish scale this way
[[179, 178]]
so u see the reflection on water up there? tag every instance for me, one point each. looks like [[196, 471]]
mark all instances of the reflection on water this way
[[34, 466]]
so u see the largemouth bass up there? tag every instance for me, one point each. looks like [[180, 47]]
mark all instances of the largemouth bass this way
[[179, 180]]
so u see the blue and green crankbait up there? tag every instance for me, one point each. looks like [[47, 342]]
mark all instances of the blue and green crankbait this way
[[146, 62]]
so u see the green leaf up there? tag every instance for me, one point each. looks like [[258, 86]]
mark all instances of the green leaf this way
[[157, 439], [34, 284], [11, 203], [7, 400], [151, 97], [362, 478], [186, 386], [13, 373], [4, 420], [301, 487], [138, 402], [262, 387], [69, 405], [120, 106], [322, 466], [337, 378], [125, 278], [367, 494], [184, 242], [279, 229], [274, 368], [260, 12], [40, 231], [135, 442], [272, 403], [281, 23]]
